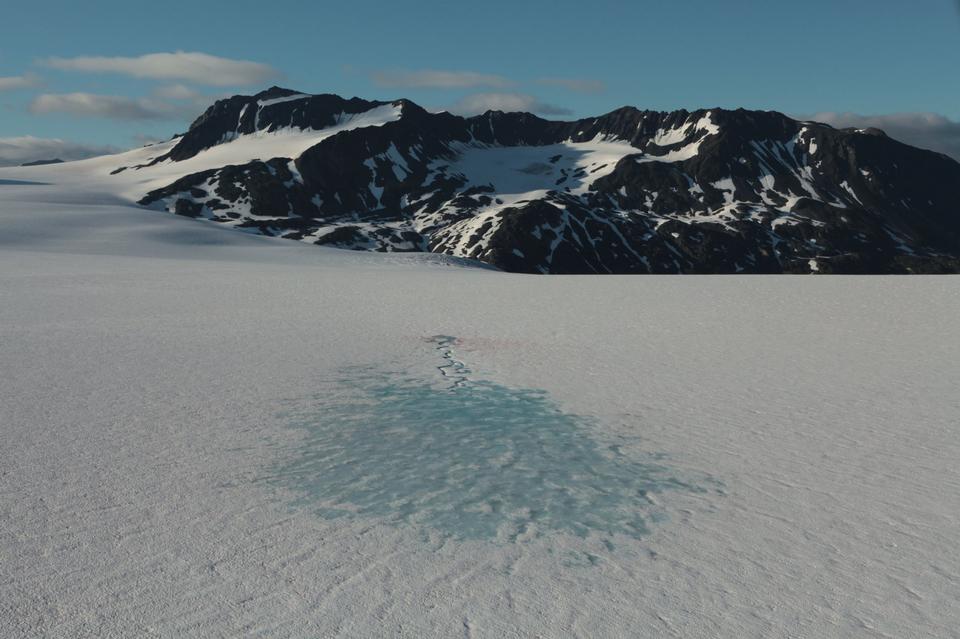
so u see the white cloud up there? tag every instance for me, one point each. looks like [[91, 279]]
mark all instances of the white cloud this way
[[431, 79], [925, 130], [176, 92], [578, 85], [481, 102], [26, 148], [13, 82], [199, 68], [111, 106]]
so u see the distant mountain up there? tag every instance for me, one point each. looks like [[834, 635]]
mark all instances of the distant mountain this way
[[43, 162], [631, 191]]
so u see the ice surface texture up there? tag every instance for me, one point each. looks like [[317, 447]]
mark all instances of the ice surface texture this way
[[472, 460]]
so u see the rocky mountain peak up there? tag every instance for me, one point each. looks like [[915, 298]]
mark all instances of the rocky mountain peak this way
[[631, 191]]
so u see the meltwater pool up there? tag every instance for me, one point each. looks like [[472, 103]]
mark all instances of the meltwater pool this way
[[469, 458]]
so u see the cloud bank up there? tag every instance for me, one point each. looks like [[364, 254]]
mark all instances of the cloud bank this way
[[486, 101], [481, 102], [14, 82], [17, 150], [195, 67], [177, 92], [577, 85], [114, 107], [925, 130], [431, 79]]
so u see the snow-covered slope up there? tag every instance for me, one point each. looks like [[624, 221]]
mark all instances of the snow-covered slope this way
[[711, 191], [127, 177]]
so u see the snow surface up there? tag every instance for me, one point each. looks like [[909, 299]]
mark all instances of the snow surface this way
[[163, 382]]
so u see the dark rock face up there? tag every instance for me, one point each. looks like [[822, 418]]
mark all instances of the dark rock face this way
[[632, 191], [43, 162], [272, 109]]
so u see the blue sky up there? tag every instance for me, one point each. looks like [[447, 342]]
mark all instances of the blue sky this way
[[842, 59]]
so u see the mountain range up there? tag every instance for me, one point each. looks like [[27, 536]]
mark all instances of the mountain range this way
[[631, 191]]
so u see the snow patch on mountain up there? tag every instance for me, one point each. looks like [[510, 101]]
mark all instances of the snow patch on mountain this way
[[519, 173]]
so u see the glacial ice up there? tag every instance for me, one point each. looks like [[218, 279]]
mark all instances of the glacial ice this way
[[473, 460]]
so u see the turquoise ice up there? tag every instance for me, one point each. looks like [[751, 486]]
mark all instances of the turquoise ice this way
[[472, 460]]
